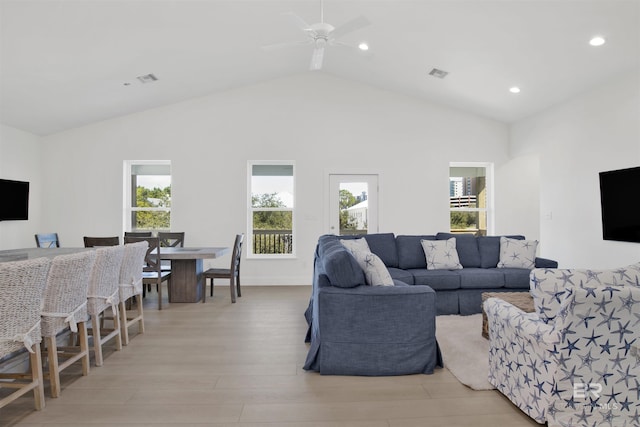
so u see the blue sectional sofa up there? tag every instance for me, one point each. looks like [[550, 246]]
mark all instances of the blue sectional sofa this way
[[355, 329]]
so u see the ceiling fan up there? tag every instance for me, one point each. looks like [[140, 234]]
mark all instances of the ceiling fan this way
[[320, 35]]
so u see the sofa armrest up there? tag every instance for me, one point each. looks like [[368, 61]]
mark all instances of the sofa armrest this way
[[521, 363], [377, 314], [545, 263], [517, 323]]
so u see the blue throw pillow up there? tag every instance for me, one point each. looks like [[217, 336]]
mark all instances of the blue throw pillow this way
[[341, 268]]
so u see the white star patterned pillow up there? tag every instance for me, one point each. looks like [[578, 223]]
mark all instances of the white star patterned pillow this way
[[517, 253], [441, 254], [375, 272]]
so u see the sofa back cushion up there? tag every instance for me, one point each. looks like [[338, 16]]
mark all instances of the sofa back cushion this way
[[381, 244], [489, 248], [410, 252], [467, 247]]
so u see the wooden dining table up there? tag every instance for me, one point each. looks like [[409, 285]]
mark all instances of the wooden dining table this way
[[186, 265], [186, 270]]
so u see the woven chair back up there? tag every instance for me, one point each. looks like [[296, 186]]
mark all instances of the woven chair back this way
[[22, 285], [152, 257], [131, 270], [65, 296], [105, 279]]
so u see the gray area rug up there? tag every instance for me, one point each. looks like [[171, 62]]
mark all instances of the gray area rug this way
[[464, 351]]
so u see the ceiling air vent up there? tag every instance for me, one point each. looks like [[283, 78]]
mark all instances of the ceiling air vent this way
[[441, 74], [147, 78]]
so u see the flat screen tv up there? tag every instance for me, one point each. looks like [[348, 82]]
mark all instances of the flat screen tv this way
[[620, 201], [14, 200]]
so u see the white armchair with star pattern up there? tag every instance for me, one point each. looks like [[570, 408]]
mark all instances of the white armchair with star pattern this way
[[575, 361]]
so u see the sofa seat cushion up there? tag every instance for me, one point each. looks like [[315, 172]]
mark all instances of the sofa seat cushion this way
[[436, 279], [516, 278], [402, 275], [480, 278], [410, 252], [467, 247]]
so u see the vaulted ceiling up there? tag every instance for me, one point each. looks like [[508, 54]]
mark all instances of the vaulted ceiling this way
[[67, 63]]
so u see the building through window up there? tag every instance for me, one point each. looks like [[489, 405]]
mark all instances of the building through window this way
[[469, 198]]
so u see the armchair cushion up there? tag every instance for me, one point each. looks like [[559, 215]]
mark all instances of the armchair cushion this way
[[548, 287]]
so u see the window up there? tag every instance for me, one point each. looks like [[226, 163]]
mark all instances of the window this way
[[271, 209], [470, 198], [147, 192]]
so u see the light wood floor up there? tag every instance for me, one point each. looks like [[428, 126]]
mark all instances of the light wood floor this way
[[222, 364]]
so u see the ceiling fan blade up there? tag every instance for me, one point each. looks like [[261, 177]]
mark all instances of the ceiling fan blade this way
[[316, 58], [298, 22], [284, 45], [349, 26], [356, 49]]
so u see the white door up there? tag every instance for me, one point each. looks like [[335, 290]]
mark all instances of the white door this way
[[353, 204]]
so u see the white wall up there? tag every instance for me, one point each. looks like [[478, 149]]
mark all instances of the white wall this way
[[320, 121], [20, 160], [597, 131]]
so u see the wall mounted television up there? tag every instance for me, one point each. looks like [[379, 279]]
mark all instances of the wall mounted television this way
[[14, 200], [620, 201]]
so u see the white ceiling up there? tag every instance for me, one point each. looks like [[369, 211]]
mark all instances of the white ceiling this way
[[64, 63]]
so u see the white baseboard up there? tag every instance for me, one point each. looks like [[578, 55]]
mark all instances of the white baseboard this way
[[269, 281]]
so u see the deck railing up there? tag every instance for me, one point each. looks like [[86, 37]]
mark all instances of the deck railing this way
[[272, 242]]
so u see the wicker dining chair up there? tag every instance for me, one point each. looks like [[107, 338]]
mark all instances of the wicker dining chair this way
[[47, 240], [152, 273], [92, 242], [64, 307], [104, 293], [232, 273], [22, 285], [131, 286]]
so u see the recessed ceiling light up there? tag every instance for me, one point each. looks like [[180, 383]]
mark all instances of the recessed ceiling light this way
[[514, 89], [597, 41], [363, 46]]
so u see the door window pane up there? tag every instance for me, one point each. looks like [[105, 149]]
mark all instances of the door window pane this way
[[354, 208]]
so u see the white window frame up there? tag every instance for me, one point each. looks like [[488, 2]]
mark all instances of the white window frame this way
[[128, 209], [489, 210], [250, 210]]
